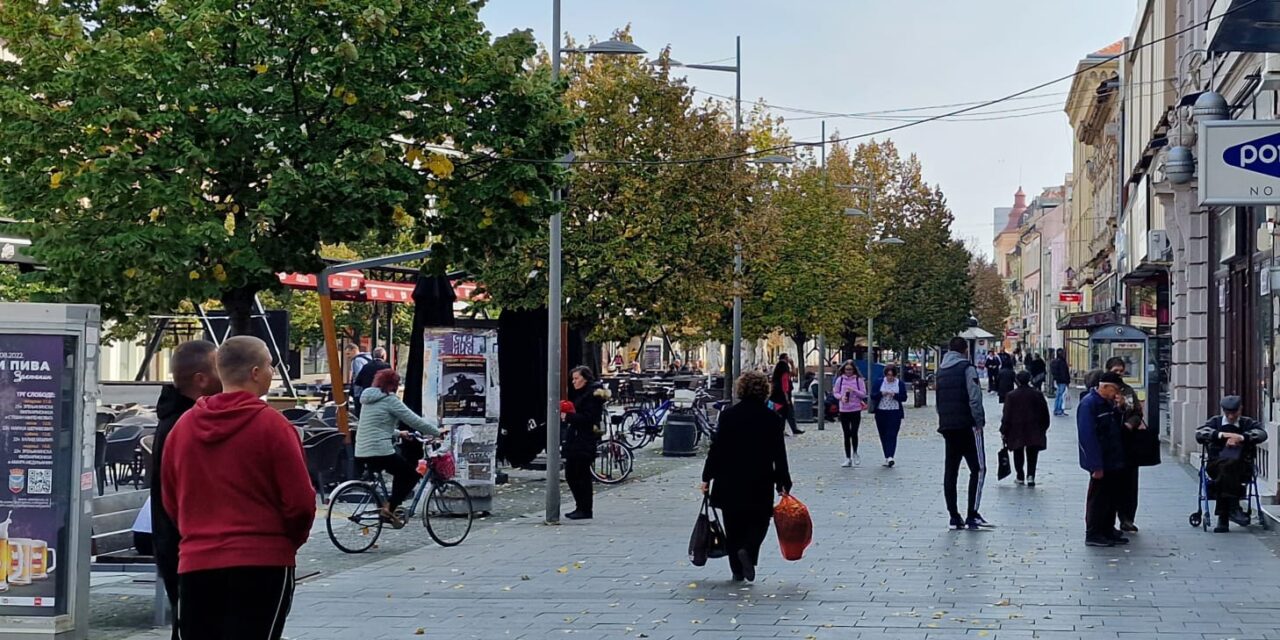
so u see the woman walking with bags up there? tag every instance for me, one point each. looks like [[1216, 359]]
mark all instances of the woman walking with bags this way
[[850, 391], [1024, 427], [780, 393], [746, 464], [887, 400]]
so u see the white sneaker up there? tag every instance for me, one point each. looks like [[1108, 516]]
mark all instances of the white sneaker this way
[[848, 462], [888, 462], [857, 461]]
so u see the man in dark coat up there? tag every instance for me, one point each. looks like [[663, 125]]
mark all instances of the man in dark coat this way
[[1005, 380], [1023, 426], [747, 463], [1232, 440], [1141, 445], [1061, 375], [195, 375], [1098, 426], [363, 378]]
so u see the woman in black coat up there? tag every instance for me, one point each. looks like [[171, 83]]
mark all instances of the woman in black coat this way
[[780, 393], [1024, 426], [580, 437], [746, 464], [1005, 380]]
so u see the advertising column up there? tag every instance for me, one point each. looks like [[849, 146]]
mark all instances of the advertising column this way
[[35, 427], [460, 389]]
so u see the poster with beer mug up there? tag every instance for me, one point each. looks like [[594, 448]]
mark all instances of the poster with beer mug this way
[[34, 526]]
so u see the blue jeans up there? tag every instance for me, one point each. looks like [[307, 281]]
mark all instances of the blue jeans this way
[[1060, 399]]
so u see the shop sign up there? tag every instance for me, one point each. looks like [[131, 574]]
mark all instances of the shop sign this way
[[1239, 162], [1070, 297]]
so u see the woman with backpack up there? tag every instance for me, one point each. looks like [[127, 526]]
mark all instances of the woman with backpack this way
[[850, 390]]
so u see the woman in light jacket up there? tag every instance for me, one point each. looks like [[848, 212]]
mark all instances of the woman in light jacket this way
[[850, 390], [887, 400], [381, 411]]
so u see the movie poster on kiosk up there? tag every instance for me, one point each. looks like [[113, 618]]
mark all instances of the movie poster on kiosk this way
[[460, 389], [33, 518]]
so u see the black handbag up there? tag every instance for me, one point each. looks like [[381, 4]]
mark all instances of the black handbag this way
[[1004, 468], [707, 539]]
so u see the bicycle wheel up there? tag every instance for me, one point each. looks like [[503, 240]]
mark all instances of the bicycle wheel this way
[[613, 463], [447, 513], [635, 429], [353, 521]]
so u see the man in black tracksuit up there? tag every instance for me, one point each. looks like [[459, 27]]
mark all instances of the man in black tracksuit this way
[[195, 375], [960, 421]]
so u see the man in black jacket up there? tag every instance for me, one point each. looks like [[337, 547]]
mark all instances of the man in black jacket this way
[[195, 374], [1061, 374], [961, 418], [1233, 441], [363, 378]]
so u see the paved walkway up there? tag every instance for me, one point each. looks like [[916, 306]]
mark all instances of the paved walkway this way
[[883, 565]]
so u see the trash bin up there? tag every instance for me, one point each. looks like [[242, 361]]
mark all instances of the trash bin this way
[[922, 393], [803, 404], [679, 436]]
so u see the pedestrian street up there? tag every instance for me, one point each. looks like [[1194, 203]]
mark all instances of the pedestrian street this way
[[882, 565]]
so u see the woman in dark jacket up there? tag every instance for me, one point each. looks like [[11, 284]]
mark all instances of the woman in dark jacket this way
[[780, 393], [888, 397], [1024, 426], [581, 436], [746, 464], [1005, 380]]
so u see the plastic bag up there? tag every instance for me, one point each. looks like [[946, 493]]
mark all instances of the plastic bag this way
[[794, 527]]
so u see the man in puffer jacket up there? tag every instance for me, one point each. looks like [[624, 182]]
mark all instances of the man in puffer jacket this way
[[961, 418]]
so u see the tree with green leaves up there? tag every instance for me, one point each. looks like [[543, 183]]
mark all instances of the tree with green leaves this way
[[164, 151], [646, 243], [990, 304]]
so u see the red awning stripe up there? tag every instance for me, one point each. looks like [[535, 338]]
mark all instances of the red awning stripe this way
[[378, 291], [352, 285], [345, 281]]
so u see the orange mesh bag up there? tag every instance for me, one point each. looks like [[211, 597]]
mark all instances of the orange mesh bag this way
[[794, 527]]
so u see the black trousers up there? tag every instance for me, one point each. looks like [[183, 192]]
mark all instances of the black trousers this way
[[745, 528], [789, 413], [849, 423], [1031, 456], [1127, 493], [1229, 479], [1101, 503], [577, 473], [962, 444], [404, 475], [234, 603]]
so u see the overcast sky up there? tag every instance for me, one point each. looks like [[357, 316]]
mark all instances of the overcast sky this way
[[857, 56]]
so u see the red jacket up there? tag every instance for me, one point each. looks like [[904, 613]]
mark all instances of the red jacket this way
[[235, 481]]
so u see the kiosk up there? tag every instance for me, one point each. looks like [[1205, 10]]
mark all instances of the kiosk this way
[[1131, 344], [48, 392]]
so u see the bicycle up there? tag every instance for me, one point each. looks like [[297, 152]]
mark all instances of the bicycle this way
[[706, 429], [643, 424], [614, 460], [354, 521]]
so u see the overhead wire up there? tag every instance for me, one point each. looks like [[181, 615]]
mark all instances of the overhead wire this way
[[1103, 60]]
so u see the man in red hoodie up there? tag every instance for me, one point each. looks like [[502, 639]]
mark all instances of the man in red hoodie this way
[[236, 483]]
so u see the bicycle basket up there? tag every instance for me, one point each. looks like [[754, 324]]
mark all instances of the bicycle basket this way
[[443, 465]]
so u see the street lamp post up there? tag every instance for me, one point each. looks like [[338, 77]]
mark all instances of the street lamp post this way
[[854, 212], [735, 355], [554, 278]]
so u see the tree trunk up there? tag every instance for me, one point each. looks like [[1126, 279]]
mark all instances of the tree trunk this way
[[239, 306], [800, 338]]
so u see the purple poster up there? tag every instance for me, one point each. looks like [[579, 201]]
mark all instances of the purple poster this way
[[33, 509]]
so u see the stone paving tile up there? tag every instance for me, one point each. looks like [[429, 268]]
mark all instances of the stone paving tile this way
[[882, 565]]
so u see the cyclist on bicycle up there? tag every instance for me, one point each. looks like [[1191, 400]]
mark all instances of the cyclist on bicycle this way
[[381, 412]]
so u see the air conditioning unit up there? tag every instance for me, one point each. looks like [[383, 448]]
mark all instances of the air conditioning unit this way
[[1270, 72], [1158, 247]]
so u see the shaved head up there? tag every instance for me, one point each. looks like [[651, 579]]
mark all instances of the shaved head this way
[[239, 356], [194, 369]]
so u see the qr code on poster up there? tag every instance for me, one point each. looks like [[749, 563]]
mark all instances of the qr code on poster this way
[[40, 481]]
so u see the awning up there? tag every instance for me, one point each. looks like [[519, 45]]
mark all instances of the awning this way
[[353, 286], [1087, 321], [1244, 25]]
